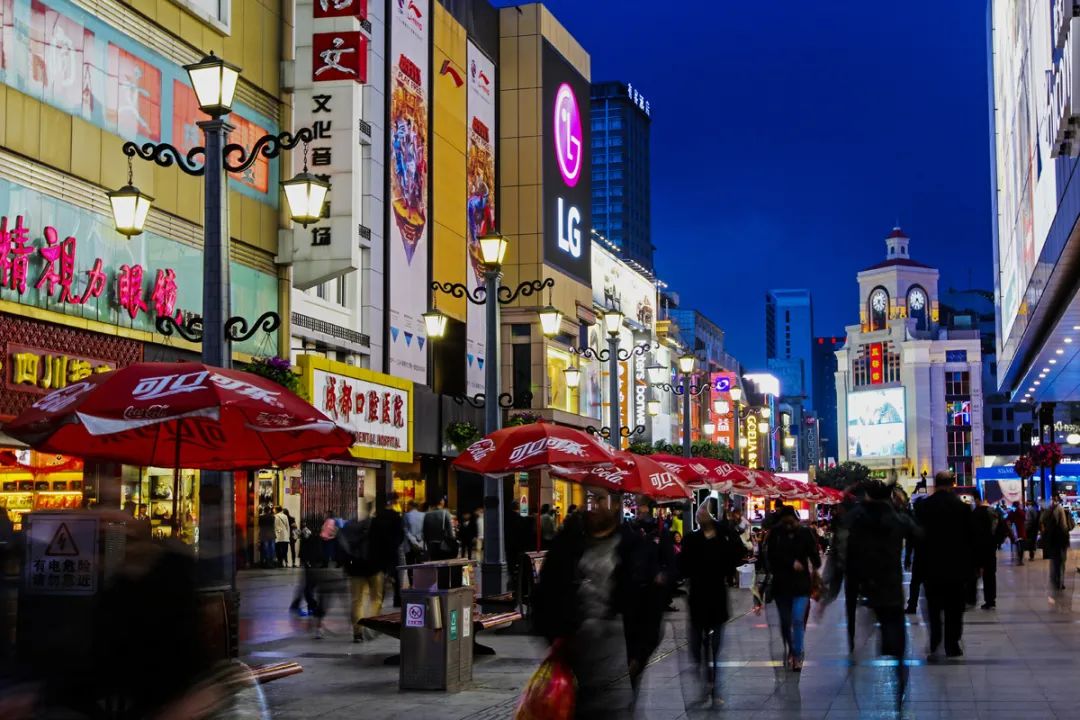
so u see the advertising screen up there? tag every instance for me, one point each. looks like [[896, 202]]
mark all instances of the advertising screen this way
[[615, 285], [567, 200], [876, 427]]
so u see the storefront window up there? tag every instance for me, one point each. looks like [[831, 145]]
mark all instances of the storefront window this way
[[31, 480], [169, 500], [408, 483], [560, 396]]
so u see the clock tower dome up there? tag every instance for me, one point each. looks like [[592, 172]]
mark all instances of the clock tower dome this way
[[898, 289]]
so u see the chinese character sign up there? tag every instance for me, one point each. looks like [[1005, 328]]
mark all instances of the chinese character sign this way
[[376, 413], [30, 369], [339, 56], [61, 554], [877, 364]]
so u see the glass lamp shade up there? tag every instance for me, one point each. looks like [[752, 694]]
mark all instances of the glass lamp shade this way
[[743, 442], [709, 428], [721, 407], [766, 412], [493, 249], [306, 195], [572, 376], [435, 324], [214, 82], [736, 394], [763, 428], [789, 442], [656, 373], [686, 364], [130, 206], [613, 320], [653, 407], [550, 320]]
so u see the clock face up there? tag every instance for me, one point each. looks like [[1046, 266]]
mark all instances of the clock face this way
[[917, 299], [879, 300]]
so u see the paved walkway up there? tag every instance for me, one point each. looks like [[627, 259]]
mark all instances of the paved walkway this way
[[1021, 662]]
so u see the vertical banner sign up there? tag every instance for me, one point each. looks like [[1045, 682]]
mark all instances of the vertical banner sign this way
[[722, 382], [625, 409], [407, 163], [480, 184], [641, 387], [877, 366], [331, 67]]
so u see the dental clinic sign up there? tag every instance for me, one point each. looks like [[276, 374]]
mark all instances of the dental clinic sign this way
[[566, 177]]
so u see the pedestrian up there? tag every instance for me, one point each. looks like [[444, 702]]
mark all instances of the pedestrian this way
[[1055, 524], [310, 556], [944, 554], [267, 537], [439, 533], [1017, 519], [771, 518], [708, 557], [876, 539], [358, 555], [478, 520], [985, 526], [467, 535], [793, 558], [595, 599], [294, 535], [328, 535], [1032, 514], [547, 527], [915, 587], [414, 534], [515, 533], [281, 536]]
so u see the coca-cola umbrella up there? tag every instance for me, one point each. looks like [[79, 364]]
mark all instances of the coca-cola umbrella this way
[[531, 447], [629, 473], [693, 472], [177, 415]]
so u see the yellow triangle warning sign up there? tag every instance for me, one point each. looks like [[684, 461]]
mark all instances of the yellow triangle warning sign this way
[[62, 543]]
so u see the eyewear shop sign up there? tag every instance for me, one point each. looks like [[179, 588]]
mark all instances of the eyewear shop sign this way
[[58, 257], [567, 199], [376, 408]]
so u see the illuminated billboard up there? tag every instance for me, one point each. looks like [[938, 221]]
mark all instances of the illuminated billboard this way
[[876, 427], [567, 191]]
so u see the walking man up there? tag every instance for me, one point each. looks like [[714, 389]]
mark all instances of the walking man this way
[[439, 533], [944, 556], [985, 523], [267, 550], [1032, 514], [414, 534], [1055, 524], [1018, 520]]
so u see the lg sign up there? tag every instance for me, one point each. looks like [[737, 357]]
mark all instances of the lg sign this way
[[566, 184]]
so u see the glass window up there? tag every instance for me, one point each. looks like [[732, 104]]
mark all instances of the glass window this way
[[958, 413], [998, 436], [1009, 414], [1010, 436], [560, 396], [216, 12], [996, 414], [957, 384], [959, 443]]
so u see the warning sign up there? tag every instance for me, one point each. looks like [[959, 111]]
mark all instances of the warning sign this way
[[414, 615], [61, 554]]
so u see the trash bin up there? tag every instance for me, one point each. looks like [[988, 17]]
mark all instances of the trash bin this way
[[436, 625]]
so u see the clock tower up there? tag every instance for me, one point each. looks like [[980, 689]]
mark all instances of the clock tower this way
[[898, 288]]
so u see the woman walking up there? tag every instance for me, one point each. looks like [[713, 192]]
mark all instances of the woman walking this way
[[793, 558]]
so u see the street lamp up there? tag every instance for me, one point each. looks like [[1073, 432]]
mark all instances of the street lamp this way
[[736, 394], [493, 295], [721, 407], [214, 82], [766, 412], [653, 407], [656, 373], [708, 428], [686, 390], [572, 375]]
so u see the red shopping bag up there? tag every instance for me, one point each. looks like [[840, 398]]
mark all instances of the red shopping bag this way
[[551, 692]]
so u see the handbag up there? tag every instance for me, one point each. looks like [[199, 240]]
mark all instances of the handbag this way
[[551, 692]]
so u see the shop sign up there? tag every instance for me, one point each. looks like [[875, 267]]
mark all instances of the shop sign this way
[[751, 442], [61, 554], [376, 408], [877, 365], [637, 98], [50, 268], [37, 370]]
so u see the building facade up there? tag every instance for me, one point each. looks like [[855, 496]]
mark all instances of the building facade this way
[[789, 333], [621, 197], [909, 390], [824, 388]]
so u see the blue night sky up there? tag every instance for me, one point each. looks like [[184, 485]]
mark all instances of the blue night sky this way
[[788, 137]]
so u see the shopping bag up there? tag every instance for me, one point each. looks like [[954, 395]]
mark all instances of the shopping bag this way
[[551, 692]]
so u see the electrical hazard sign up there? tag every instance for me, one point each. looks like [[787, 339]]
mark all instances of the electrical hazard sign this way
[[61, 554]]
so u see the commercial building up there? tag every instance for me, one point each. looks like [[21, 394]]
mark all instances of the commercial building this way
[[621, 197], [823, 360], [789, 333], [77, 297], [908, 388], [1033, 54]]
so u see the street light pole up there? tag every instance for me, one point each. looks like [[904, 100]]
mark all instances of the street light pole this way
[[614, 436], [686, 448], [493, 567]]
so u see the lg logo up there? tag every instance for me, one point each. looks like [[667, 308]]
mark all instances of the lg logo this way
[[568, 137], [569, 229]]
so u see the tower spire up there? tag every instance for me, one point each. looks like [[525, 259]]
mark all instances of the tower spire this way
[[896, 244]]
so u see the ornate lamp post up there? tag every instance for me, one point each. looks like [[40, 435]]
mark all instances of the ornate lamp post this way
[[686, 390], [491, 296], [214, 82]]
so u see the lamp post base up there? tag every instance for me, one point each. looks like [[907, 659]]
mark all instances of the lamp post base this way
[[492, 579]]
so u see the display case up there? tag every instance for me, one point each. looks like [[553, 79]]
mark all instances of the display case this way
[[31, 480], [168, 499]]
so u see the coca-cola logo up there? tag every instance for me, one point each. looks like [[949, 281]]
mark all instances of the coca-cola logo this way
[[662, 481], [63, 398], [699, 469], [151, 412], [273, 420], [533, 448], [481, 449], [611, 474], [723, 470]]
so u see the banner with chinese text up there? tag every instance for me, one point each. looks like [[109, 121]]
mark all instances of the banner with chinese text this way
[[480, 183]]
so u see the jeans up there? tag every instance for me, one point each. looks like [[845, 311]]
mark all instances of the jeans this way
[[707, 639], [793, 610], [945, 598], [267, 552]]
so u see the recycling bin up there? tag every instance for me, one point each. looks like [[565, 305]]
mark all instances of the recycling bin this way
[[436, 625]]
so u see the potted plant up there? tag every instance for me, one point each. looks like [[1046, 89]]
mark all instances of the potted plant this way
[[277, 369], [522, 418], [641, 447], [462, 434]]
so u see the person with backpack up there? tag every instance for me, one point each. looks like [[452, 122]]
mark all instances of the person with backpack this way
[[359, 556], [439, 535]]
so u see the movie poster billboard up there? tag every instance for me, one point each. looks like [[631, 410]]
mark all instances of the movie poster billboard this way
[[407, 206], [480, 184]]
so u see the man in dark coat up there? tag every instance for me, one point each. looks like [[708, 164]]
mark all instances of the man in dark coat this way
[[985, 522], [708, 558], [597, 570], [945, 558]]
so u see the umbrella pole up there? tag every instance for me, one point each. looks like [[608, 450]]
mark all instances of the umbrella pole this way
[[176, 482]]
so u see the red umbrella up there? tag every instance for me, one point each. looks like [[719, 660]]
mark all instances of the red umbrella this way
[[180, 415], [532, 446], [630, 473], [693, 472]]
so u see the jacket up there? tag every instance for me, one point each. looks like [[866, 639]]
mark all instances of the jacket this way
[[984, 527], [1055, 530], [785, 545], [388, 535], [281, 528], [875, 551], [945, 553], [437, 527], [267, 525], [707, 563], [414, 530]]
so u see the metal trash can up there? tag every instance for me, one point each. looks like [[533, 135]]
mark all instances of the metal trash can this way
[[436, 625]]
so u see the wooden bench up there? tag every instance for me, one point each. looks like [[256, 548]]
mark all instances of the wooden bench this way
[[390, 624], [275, 671]]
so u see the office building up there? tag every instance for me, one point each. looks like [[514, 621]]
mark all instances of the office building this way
[[823, 359], [789, 332]]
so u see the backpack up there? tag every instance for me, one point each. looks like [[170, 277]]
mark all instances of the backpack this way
[[355, 541]]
